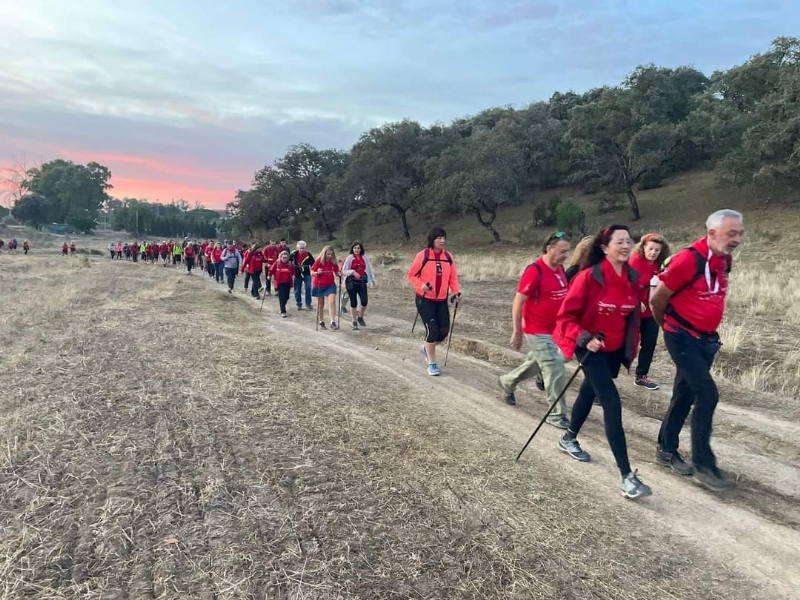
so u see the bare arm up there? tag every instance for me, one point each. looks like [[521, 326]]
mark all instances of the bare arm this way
[[516, 320], [659, 299]]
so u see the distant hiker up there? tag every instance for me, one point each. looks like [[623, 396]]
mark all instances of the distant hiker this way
[[598, 323], [64, 249], [189, 253], [25, 247], [112, 250], [72, 248], [434, 276], [580, 256], [302, 261], [2, 243], [143, 251], [647, 258], [324, 272], [119, 250], [541, 291], [689, 303], [231, 258], [357, 269], [282, 245], [270, 256], [127, 250], [253, 265], [177, 253], [216, 260], [209, 265], [245, 255], [283, 272]]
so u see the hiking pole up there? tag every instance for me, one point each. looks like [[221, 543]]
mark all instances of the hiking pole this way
[[264, 296], [452, 326], [599, 337]]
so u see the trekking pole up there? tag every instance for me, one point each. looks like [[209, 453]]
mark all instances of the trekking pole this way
[[599, 337], [339, 298], [452, 326], [264, 296], [416, 316]]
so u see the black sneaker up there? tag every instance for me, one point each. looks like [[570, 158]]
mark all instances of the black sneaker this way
[[713, 479], [674, 461], [645, 382], [508, 397], [334, 326], [558, 422], [309, 307], [540, 383], [299, 307], [361, 322], [355, 325], [322, 325]]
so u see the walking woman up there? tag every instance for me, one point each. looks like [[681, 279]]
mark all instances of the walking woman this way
[[647, 258], [216, 260], [598, 323], [579, 257], [231, 258], [358, 273], [434, 277], [282, 273], [325, 270]]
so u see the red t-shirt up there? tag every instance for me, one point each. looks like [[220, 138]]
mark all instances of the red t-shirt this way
[[703, 302], [164, 249], [270, 254], [283, 272], [327, 279], [614, 305], [254, 262], [646, 272], [189, 250], [359, 265], [216, 255], [539, 314]]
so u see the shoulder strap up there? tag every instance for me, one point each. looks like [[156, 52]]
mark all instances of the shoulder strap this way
[[536, 266], [700, 268]]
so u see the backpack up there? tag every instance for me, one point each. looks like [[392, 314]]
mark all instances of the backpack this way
[[427, 257], [539, 281], [700, 263]]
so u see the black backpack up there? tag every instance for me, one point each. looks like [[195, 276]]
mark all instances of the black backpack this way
[[427, 257]]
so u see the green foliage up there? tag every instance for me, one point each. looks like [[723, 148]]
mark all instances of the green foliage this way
[[31, 209], [354, 227], [544, 213], [570, 217], [609, 202], [175, 220]]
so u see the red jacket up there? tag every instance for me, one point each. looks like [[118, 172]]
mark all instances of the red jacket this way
[[253, 262], [189, 251], [164, 249], [581, 308], [270, 254], [283, 272], [646, 272]]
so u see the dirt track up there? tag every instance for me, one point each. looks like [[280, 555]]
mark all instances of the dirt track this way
[[160, 439]]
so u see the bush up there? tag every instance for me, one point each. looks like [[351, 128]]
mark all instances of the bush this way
[[609, 202], [571, 218], [544, 213], [592, 186], [650, 181]]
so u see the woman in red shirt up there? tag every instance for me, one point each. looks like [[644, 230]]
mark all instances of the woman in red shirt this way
[[647, 259], [323, 285], [599, 324], [216, 260], [282, 273]]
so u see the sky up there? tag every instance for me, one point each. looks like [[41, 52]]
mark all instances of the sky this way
[[188, 98]]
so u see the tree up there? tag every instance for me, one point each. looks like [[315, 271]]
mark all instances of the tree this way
[[31, 209], [309, 172], [73, 193], [482, 172], [611, 142]]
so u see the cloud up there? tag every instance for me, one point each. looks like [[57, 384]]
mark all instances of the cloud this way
[[520, 13]]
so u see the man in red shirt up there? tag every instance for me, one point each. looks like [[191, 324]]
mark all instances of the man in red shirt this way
[[253, 264], [540, 294], [689, 303], [270, 257], [189, 255]]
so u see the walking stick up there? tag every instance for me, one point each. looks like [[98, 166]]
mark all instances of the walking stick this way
[[600, 337], [264, 295], [452, 326]]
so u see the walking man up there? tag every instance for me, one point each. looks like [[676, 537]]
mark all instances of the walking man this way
[[302, 261], [688, 304], [541, 292]]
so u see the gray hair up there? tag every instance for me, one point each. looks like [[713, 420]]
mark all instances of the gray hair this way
[[301, 244], [715, 220]]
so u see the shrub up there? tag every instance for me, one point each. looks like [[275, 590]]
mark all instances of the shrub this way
[[571, 218], [609, 202]]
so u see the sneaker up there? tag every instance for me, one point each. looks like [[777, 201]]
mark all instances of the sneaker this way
[[573, 448], [334, 326], [674, 461], [632, 487], [423, 353], [322, 325], [355, 325], [309, 307], [284, 315], [558, 422], [540, 383], [433, 370], [597, 402], [268, 293], [361, 322], [230, 291], [713, 479], [645, 382], [261, 290], [299, 307], [508, 397]]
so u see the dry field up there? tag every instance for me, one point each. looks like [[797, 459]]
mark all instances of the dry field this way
[[162, 439]]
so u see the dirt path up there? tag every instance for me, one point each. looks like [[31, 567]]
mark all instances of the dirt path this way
[[161, 439]]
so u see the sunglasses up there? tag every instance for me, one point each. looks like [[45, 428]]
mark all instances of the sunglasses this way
[[556, 236]]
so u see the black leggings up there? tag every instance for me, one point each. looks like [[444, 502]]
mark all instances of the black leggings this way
[[436, 317], [284, 291], [600, 369], [649, 333], [356, 291]]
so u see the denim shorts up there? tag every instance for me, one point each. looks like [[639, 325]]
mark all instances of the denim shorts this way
[[323, 292]]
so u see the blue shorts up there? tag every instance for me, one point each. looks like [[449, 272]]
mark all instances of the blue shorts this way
[[323, 292]]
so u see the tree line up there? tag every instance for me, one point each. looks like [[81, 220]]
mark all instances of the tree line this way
[[76, 195], [743, 122]]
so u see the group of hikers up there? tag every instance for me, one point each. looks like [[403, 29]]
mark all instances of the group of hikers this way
[[283, 271], [13, 244], [604, 308]]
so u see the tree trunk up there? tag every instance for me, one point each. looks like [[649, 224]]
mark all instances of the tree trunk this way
[[402, 212], [488, 224], [634, 203]]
